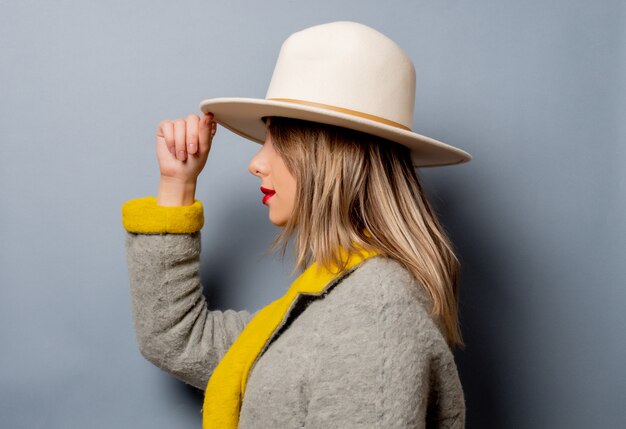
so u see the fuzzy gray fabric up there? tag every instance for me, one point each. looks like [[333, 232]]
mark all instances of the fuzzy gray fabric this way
[[364, 354]]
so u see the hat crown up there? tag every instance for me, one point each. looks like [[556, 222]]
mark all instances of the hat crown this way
[[348, 66]]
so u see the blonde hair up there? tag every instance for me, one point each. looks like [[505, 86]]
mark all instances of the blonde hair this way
[[354, 187]]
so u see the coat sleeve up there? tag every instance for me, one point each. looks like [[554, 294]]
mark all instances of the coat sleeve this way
[[382, 363], [174, 328]]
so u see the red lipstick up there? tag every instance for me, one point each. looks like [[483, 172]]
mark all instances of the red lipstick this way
[[268, 194]]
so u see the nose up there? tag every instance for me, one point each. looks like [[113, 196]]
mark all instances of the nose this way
[[257, 166]]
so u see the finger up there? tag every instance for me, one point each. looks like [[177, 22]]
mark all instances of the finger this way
[[163, 153], [192, 134], [204, 136], [179, 138], [167, 128]]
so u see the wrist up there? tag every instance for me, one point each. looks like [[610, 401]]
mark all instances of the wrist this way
[[176, 192]]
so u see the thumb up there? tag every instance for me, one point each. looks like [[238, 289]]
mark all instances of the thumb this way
[[206, 130]]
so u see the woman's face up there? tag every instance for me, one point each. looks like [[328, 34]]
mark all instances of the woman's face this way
[[270, 167]]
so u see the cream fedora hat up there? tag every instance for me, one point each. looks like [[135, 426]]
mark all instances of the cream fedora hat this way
[[340, 73]]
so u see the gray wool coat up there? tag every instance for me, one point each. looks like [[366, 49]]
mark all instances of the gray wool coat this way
[[362, 354]]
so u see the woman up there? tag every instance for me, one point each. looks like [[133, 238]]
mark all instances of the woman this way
[[363, 337]]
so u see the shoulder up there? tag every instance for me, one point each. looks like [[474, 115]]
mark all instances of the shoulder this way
[[382, 293], [386, 278], [378, 355]]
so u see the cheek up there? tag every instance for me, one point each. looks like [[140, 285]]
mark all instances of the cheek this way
[[285, 199], [291, 182], [291, 190], [286, 182]]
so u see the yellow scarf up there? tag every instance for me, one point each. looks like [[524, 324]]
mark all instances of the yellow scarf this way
[[225, 389]]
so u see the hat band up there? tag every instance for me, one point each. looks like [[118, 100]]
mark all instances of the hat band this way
[[344, 110]]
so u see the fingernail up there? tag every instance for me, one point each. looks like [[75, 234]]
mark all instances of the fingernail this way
[[181, 154], [192, 146]]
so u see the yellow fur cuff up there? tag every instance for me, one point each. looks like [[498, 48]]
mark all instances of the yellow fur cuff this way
[[144, 216]]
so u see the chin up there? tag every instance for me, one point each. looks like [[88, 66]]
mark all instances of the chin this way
[[278, 222]]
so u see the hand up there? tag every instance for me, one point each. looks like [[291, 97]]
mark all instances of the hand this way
[[183, 146], [182, 150]]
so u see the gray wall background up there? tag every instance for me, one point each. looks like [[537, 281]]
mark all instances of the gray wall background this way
[[534, 90]]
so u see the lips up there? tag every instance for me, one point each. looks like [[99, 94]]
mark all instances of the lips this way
[[268, 194]]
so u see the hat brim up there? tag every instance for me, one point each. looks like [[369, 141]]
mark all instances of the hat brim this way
[[243, 117]]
